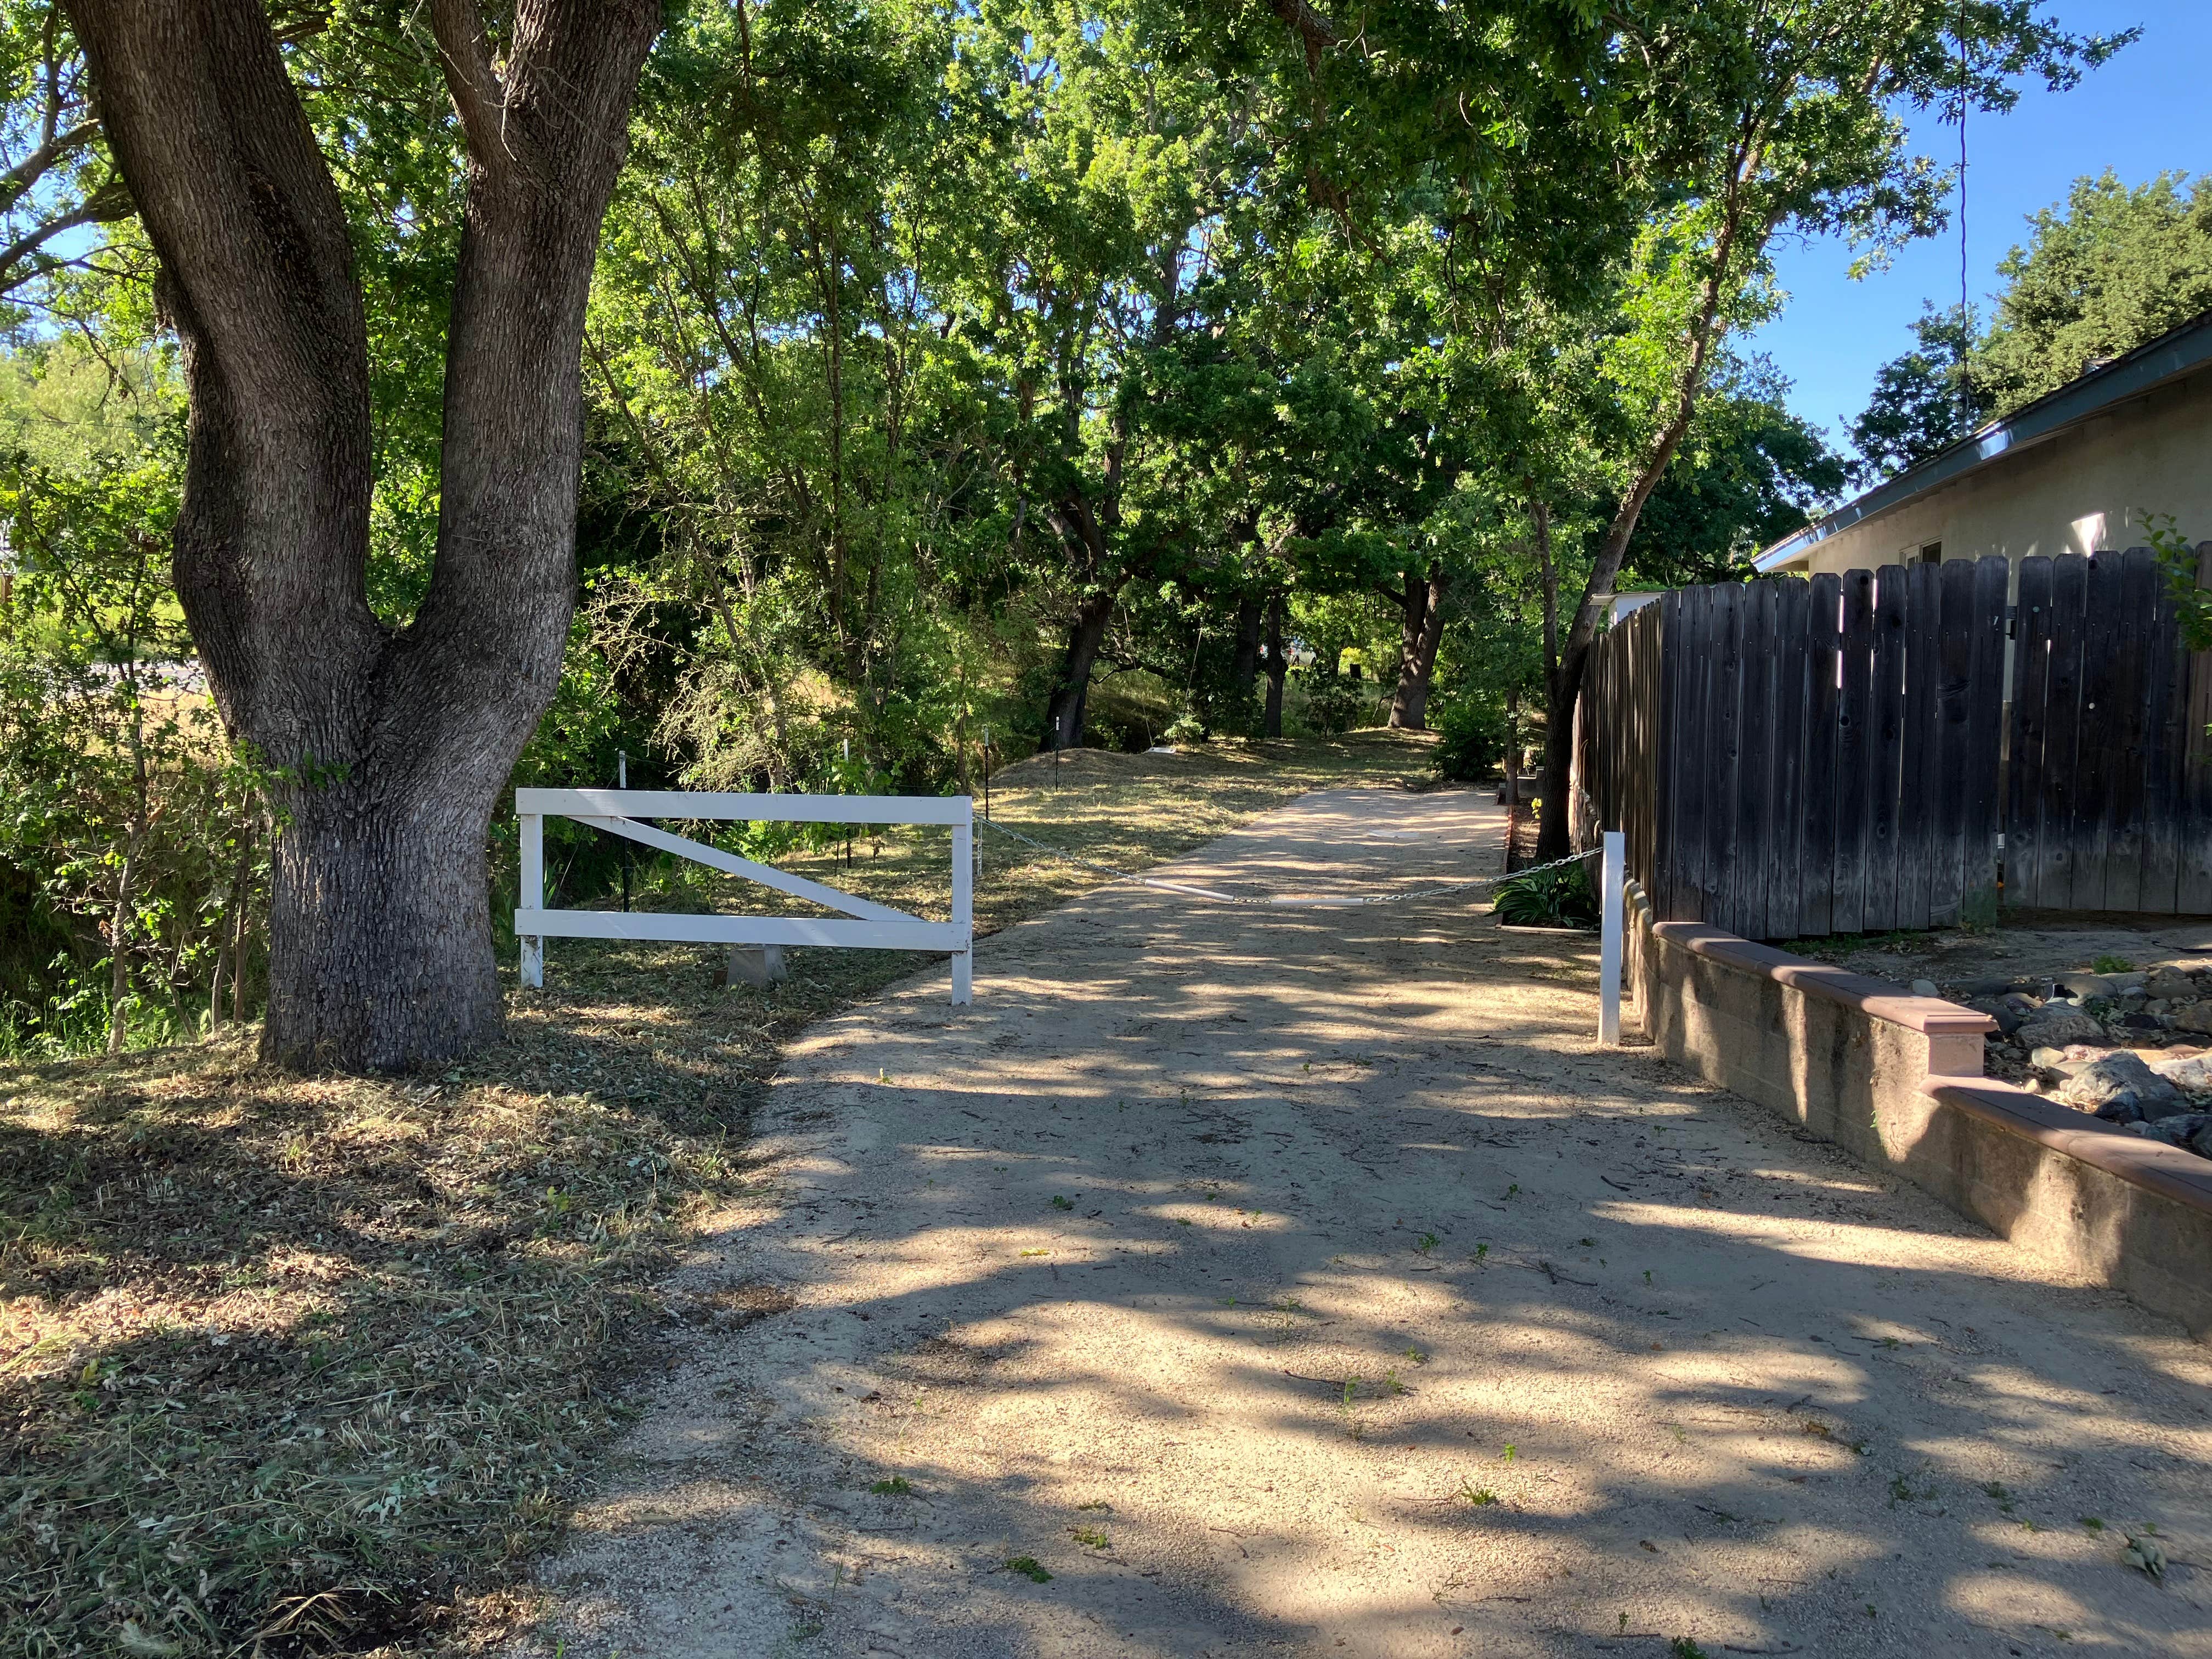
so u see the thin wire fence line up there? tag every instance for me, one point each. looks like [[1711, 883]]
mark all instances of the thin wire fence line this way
[[1293, 901]]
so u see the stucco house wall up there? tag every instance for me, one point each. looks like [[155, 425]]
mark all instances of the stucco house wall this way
[[2083, 490]]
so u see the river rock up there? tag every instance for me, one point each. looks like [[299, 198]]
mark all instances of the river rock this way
[[2121, 1089], [2191, 1016], [2052, 1029], [2008, 1015], [2089, 987], [2191, 1131], [2170, 983], [1924, 988], [2191, 1076]]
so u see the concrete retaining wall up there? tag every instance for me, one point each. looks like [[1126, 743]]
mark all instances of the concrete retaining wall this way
[[1896, 1079]]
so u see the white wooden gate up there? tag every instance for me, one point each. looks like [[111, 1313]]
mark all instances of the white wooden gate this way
[[865, 925]]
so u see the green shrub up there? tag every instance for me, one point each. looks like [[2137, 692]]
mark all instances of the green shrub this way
[[1473, 741], [1562, 897]]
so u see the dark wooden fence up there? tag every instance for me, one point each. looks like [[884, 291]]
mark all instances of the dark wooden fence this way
[[1791, 758]]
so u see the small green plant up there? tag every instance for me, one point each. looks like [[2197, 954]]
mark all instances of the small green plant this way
[[1512, 1189], [2093, 1522], [1417, 1356], [1090, 1538], [2109, 964], [1511, 1452], [1561, 897], [1059, 1203], [1426, 1242], [1480, 1251], [1997, 1490], [1683, 1648], [2178, 560], [1097, 1504], [2145, 1553], [1027, 1566], [1901, 1492], [898, 1486], [1480, 1497]]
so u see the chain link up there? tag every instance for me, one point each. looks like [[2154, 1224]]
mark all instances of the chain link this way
[[1283, 900]]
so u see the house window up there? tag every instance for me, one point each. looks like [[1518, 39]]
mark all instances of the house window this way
[[1931, 552]]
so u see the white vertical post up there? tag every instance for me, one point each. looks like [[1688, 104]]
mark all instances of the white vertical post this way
[[1612, 899], [963, 902], [532, 896]]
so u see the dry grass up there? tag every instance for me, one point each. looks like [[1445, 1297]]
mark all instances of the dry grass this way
[[313, 1364]]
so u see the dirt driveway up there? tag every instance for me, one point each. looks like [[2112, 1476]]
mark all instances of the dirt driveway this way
[[1307, 1283]]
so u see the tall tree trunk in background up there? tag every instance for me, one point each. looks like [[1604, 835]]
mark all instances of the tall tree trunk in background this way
[[1271, 722], [1421, 612], [1244, 667], [394, 744], [1085, 531], [1071, 698]]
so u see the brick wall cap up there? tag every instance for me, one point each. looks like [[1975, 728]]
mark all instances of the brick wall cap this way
[[1875, 998]]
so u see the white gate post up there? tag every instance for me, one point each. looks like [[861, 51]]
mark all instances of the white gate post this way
[[1612, 902], [963, 902], [533, 895]]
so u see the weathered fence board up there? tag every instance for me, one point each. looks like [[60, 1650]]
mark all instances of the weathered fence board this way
[[1922, 786], [1824, 692], [2193, 894], [1980, 759], [1794, 758]]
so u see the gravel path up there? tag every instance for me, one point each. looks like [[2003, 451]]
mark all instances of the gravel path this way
[[1308, 1283]]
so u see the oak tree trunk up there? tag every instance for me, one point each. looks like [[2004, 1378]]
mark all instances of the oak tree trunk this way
[[1271, 723], [1071, 698], [393, 745], [1422, 629], [1244, 666]]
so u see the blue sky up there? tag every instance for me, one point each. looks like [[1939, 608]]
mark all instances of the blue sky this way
[[2139, 114]]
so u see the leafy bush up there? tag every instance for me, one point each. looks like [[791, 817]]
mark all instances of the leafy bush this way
[[1562, 897], [1473, 741], [1333, 704]]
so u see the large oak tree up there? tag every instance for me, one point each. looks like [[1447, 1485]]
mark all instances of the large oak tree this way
[[392, 744]]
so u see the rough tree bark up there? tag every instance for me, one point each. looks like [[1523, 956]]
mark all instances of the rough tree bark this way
[[1421, 620], [1270, 719], [1086, 532], [1244, 666], [394, 743], [1071, 698]]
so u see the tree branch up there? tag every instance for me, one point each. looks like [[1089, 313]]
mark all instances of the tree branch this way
[[1314, 31], [479, 95]]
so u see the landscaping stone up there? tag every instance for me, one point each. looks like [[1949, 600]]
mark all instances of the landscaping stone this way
[[2008, 1015], [2191, 1016], [2191, 1131], [2089, 988], [2171, 984], [2055, 1029], [1924, 988], [2120, 1089], [2192, 1075]]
